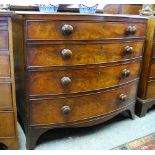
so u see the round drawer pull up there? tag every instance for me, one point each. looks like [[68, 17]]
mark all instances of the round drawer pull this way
[[66, 81], [66, 54], [131, 29], [128, 49], [66, 110], [125, 73], [122, 97], [67, 29]]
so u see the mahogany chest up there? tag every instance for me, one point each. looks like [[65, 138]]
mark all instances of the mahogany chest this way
[[146, 90], [8, 115], [75, 70]]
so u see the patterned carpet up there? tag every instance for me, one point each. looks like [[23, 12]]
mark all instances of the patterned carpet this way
[[144, 143]]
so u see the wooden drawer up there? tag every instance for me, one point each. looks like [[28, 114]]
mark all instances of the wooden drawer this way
[[86, 53], [53, 110], [4, 43], [7, 128], [3, 25], [52, 30], [151, 89], [152, 68], [81, 79], [5, 96], [4, 66]]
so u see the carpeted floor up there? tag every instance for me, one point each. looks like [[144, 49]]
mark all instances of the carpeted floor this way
[[106, 136], [144, 143]]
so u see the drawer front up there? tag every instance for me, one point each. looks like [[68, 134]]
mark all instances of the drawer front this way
[[152, 69], [72, 30], [151, 89], [7, 127], [3, 25], [79, 80], [4, 42], [5, 96], [76, 54], [73, 108], [4, 66]]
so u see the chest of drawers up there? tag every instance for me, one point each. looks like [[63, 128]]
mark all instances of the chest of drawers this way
[[146, 90], [76, 70], [8, 116]]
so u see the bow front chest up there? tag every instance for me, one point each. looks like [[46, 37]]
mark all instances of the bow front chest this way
[[76, 70]]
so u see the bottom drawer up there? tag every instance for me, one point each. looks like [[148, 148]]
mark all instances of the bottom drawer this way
[[4, 66], [72, 108], [151, 89], [5, 96], [7, 127]]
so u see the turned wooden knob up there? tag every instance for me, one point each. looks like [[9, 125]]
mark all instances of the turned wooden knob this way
[[128, 49], [66, 54], [67, 29], [123, 97], [131, 30], [65, 81], [125, 73], [66, 110]]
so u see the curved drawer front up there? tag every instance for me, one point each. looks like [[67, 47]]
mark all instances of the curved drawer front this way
[[7, 128], [76, 54], [56, 30], [4, 66], [80, 80], [5, 96], [73, 108]]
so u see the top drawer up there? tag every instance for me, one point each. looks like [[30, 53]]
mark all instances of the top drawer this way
[[79, 30]]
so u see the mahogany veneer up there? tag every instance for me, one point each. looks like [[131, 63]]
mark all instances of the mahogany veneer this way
[[130, 9], [146, 90], [8, 115], [75, 70], [81, 30], [82, 53]]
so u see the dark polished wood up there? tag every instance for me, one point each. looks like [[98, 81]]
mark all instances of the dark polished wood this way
[[152, 68], [5, 96], [81, 80], [150, 89], [4, 65], [122, 9], [83, 30], [8, 113], [146, 90], [81, 107], [142, 106], [7, 127], [81, 77], [83, 53], [130, 9], [111, 8]]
